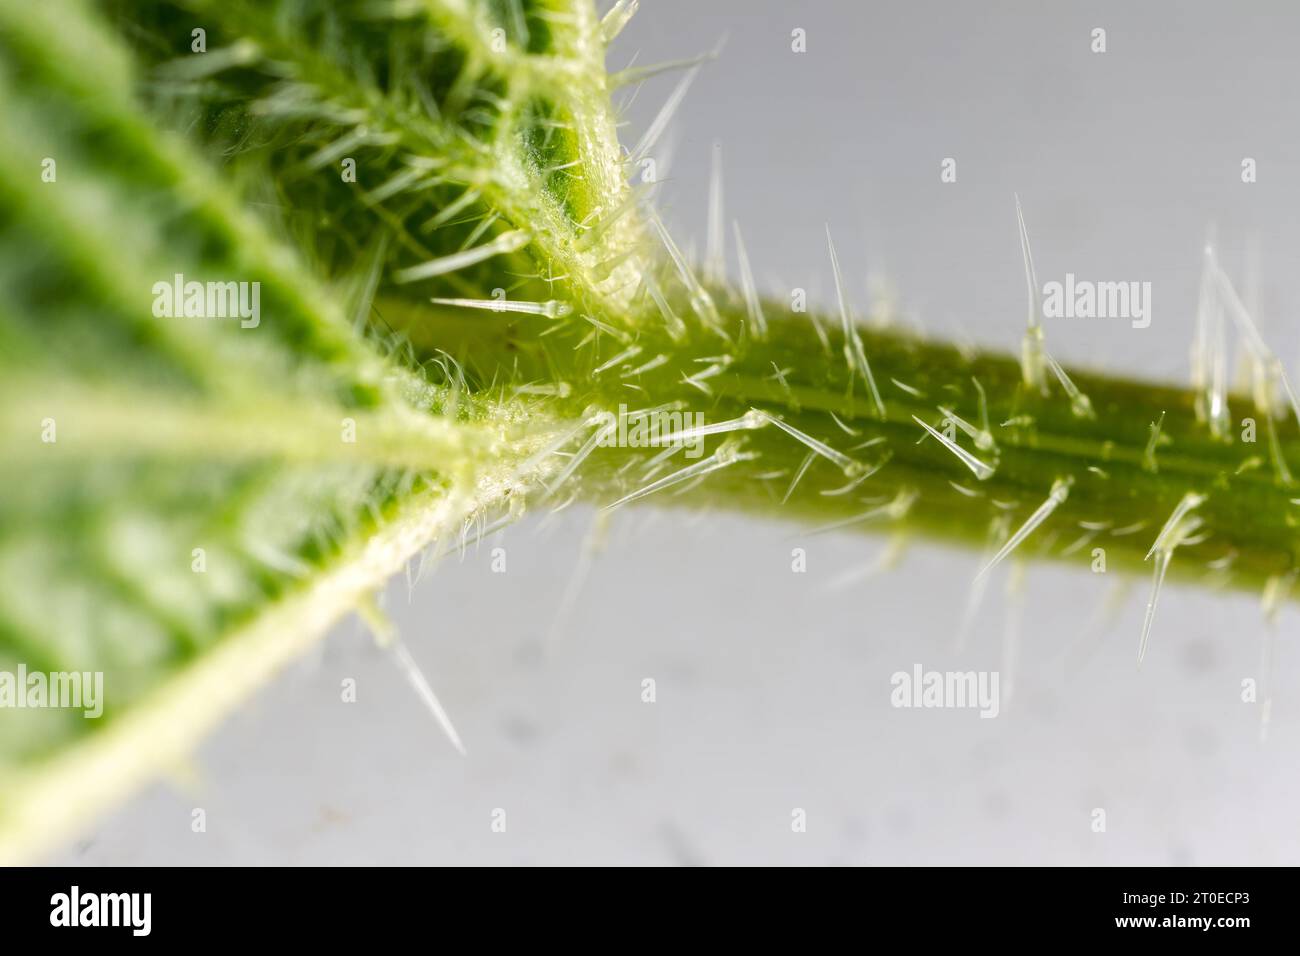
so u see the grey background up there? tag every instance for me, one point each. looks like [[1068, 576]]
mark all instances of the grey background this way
[[773, 687]]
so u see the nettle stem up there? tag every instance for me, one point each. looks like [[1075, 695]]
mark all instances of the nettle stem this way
[[964, 452]]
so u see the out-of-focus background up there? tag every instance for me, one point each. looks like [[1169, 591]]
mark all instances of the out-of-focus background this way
[[772, 688]]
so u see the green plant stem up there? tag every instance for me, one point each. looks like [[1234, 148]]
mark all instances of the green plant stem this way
[[1119, 498]]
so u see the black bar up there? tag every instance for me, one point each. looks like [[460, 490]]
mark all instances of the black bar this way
[[332, 906]]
